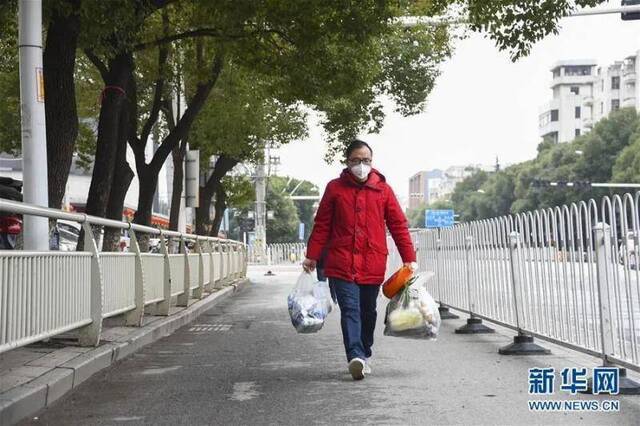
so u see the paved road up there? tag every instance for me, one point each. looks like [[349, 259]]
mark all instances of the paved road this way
[[243, 364]]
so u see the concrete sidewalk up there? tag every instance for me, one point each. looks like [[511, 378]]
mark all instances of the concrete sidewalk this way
[[35, 376], [243, 363]]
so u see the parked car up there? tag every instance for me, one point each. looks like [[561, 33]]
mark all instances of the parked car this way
[[10, 224]]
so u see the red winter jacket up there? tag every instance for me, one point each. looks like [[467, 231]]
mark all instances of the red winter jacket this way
[[350, 223]]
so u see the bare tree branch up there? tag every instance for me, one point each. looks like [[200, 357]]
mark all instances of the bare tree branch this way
[[184, 123], [209, 32], [163, 53], [102, 68], [201, 32]]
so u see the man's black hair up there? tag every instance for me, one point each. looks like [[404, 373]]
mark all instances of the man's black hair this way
[[356, 144]]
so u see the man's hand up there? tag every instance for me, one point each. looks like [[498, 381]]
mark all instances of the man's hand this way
[[309, 265], [412, 265]]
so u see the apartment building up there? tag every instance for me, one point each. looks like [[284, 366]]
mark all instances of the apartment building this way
[[428, 186], [584, 93], [423, 187]]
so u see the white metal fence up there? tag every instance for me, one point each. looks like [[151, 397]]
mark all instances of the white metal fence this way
[[568, 274], [43, 294], [279, 254]]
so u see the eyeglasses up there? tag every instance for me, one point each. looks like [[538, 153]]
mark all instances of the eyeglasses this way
[[356, 161]]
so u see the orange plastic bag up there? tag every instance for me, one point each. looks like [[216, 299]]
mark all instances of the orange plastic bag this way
[[397, 281]]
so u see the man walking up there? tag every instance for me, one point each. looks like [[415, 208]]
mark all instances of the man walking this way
[[350, 227]]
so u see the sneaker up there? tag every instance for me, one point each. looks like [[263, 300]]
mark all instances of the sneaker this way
[[356, 368], [367, 366]]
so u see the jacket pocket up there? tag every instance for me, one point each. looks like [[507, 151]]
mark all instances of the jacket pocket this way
[[339, 255], [376, 260]]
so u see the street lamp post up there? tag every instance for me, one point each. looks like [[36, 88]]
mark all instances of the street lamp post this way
[[34, 142]]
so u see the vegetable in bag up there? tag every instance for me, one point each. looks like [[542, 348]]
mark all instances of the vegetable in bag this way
[[412, 313]]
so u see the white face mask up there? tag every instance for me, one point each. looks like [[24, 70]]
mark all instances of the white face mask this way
[[361, 171]]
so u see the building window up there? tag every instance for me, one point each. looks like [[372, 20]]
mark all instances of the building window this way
[[615, 83], [554, 115], [578, 112], [575, 90], [602, 85], [615, 104], [601, 107], [577, 70], [556, 72], [577, 132]]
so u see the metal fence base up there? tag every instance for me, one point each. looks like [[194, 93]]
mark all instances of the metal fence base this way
[[523, 345], [445, 314], [626, 386], [474, 326]]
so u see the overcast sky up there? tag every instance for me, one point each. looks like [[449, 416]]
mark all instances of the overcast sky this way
[[483, 106]]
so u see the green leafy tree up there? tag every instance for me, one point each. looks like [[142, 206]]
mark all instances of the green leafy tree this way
[[305, 208], [607, 153], [627, 166], [236, 192], [240, 117], [9, 108], [514, 25], [283, 228]]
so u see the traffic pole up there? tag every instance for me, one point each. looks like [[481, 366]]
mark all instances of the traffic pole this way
[[34, 140]]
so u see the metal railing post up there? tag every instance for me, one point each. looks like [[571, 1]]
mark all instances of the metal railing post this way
[[245, 260], [229, 277], [220, 281], [198, 292], [183, 299], [442, 309], [238, 273], [523, 344], [162, 308], [602, 241], [90, 334], [474, 324], [135, 316], [211, 283]]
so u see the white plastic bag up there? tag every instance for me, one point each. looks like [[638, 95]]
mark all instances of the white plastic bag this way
[[309, 304], [412, 313]]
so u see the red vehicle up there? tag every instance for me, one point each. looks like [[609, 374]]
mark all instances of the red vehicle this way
[[10, 224]]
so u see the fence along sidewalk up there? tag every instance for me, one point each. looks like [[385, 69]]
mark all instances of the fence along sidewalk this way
[[568, 275], [43, 294], [279, 253]]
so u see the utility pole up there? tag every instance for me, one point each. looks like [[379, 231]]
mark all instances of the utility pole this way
[[260, 217], [34, 138]]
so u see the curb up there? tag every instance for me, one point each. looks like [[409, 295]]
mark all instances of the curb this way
[[28, 399]]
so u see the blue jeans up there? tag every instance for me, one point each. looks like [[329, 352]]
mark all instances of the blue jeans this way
[[357, 316]]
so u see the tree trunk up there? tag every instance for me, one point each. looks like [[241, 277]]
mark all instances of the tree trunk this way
[[179, 133], [177, 184], [117, 77], [223, 165], [121, 180], [109, 131], [220, 207], [148, 183], [61, 114], [203, 219]]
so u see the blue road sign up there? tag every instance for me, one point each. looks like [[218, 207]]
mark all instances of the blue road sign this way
[[438, 218], [301, 231]]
